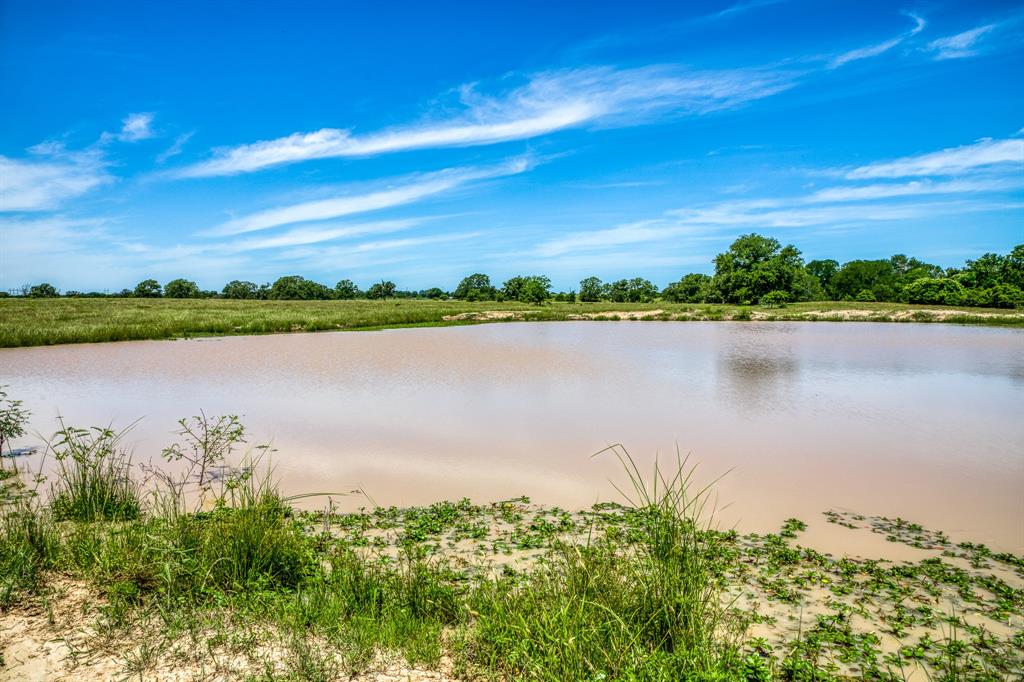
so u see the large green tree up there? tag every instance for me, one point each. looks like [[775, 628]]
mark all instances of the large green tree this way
[[181, 288], [591, 290], [148, 288], [692, 288], [873, 280], [755, 265], [476, 287], [529, 289], [296, 288], [346, 290], [44, 290], [382, 289], [240, 289]]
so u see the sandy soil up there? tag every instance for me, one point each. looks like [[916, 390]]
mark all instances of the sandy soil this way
[[61, 639]]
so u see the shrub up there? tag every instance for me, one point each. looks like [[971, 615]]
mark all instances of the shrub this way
[[935, 290], [775, 299]]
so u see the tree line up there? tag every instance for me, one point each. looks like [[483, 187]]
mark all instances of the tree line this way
[[754, 270]]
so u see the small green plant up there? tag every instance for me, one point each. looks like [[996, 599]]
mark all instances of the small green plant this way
[[93, 477], [13, 418]]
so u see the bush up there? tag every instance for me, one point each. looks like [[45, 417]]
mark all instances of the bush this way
[[935, 290], [775, 299], [1004, 296]]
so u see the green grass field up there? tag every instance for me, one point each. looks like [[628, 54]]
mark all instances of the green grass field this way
[[38, 322]]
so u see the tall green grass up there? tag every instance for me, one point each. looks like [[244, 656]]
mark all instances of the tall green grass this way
[[93, 479], [645, 607]]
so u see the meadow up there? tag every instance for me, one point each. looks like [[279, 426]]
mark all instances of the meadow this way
[[50, 321]]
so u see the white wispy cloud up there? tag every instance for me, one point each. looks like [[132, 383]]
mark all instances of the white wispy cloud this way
[[326, 209], [49, 178], [136, 127], [960, 45], [913, 188], [879, 48], [321, 233], [842, 205], [982, 154], [175, 148], [548, 102]]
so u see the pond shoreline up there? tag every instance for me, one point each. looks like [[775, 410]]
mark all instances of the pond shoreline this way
[[42, 322]]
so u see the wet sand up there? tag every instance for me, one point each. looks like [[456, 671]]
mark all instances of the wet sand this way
[[917, 421]]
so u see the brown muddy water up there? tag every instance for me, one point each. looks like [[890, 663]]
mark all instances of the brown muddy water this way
[[924, 422]]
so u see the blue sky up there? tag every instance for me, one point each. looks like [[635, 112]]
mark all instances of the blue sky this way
[[421, 142]]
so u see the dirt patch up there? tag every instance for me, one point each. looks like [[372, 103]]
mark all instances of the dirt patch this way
[[61, 637], [487, 315], [618, 315], [916, 314]]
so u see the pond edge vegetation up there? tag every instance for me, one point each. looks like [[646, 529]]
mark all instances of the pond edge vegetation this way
[[208, 551]]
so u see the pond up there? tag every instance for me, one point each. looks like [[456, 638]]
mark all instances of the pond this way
[[924, 422]]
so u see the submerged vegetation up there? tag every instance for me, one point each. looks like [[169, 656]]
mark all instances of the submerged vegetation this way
[[202, 568]]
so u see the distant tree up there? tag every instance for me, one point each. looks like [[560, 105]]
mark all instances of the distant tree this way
[[536, 289], [181, 288], [692, 288], [590, 290], [147, 288], [755, 265], [529, 289], [380, 290], [512, 288], [982, 273], [476, 287], [636, 290], [346, 290], [434, 293], [825, 271], [296, 288], [1013, 267], [240, 289], [856, 276], [44, 290]]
